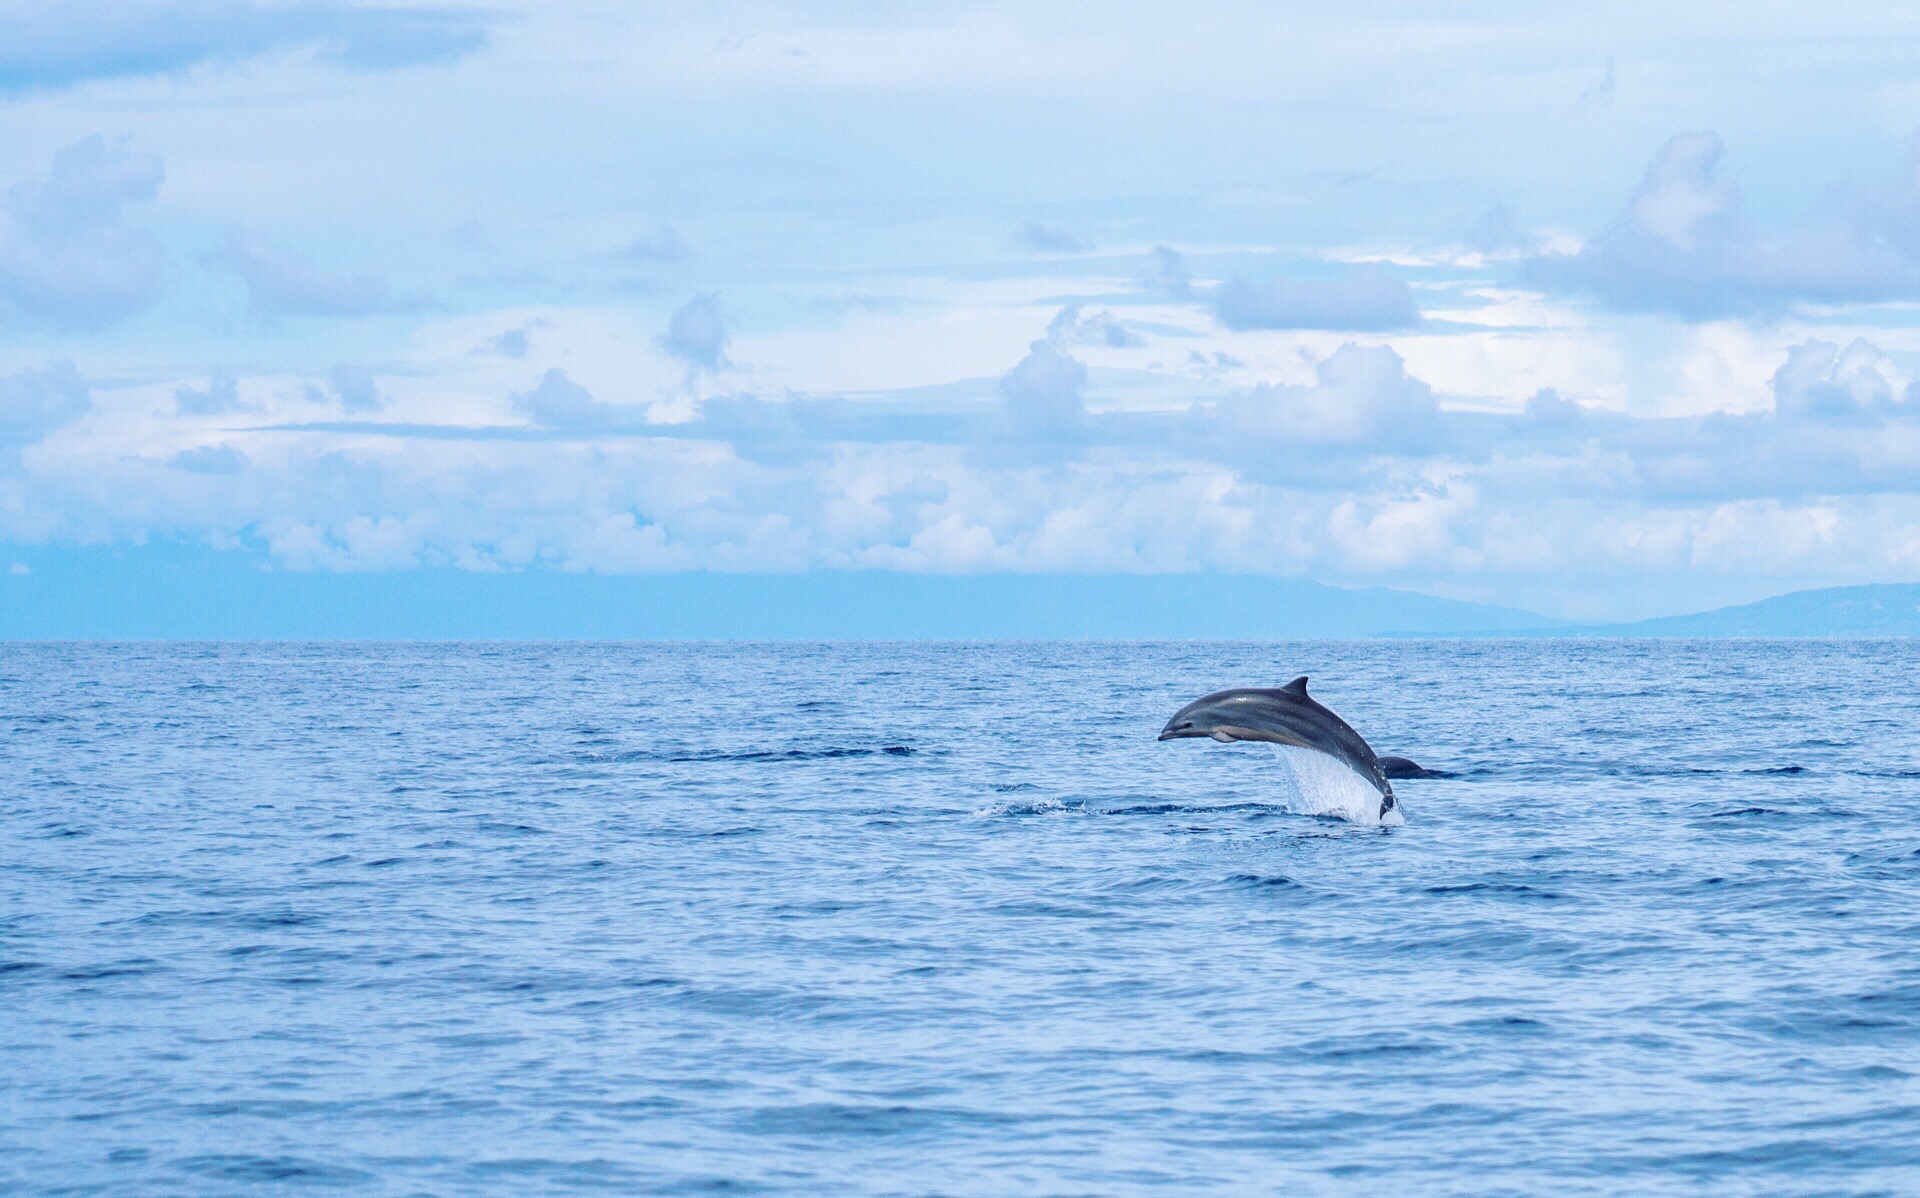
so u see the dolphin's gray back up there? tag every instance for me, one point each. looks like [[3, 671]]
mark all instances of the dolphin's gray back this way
[[1292, 716]]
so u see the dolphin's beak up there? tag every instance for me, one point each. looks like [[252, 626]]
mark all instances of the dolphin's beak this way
[[1165, 734]]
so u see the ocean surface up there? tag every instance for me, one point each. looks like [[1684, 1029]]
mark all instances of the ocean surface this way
[[946, 919]]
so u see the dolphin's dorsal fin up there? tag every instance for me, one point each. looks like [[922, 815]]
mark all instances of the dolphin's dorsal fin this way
[[1297, 687]]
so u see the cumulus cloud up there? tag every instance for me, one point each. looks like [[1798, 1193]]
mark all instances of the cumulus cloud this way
[[210, 459], [1364, 298], [696, 334], [220, 395], [285, 283], [1496, 232], [52, 45], [68, 256], [559, 402], [662, 244], [354, 387], [1361, 398], [1102, 328], [1042, 413], [1170, 271], [1820, 381], [1685, 245], [1046, 239], [514, 343], [33, 403]]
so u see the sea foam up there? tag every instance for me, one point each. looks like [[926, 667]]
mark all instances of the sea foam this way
[[1324, 786]]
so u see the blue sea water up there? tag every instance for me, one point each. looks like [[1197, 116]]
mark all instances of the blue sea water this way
[[946, 919]]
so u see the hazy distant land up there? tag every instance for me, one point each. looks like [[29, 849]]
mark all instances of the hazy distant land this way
[[159, 592]]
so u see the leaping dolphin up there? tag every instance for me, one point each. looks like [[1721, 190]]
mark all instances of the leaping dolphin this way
[[1287, 716]]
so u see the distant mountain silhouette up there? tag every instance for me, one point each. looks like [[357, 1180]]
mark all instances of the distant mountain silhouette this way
[[163, 591], [174, 591], [1881, 610]]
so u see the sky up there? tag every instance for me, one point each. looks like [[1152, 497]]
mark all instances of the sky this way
[[1605, 311]]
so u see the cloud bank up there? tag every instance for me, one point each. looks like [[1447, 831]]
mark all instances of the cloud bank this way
[[1359, 473]]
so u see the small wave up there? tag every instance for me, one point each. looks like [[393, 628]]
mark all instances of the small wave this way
[[1518, 889], [753, 755], [1193, 808], [1265, 882], [244, 1168]]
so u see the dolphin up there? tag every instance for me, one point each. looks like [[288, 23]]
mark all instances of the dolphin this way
[[1406, 767], [1287, 716]]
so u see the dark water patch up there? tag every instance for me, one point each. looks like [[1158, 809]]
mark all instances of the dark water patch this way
[[1385, 1045], [1494, 889], [760, 756], [836, 1119], [1265, 882], [1194, 809], [267, 919], [1506, 1025], [137, 967], [1801, 1156], [263, 1170]]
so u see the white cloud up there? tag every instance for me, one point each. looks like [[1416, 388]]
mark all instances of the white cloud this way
[[1358, 474], [696, 334], [1685, 245], [285, 283], [559, 402], [1363, 298], [68, 257], [35, 402]]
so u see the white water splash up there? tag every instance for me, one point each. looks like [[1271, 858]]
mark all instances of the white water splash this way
[[1323, 786]]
